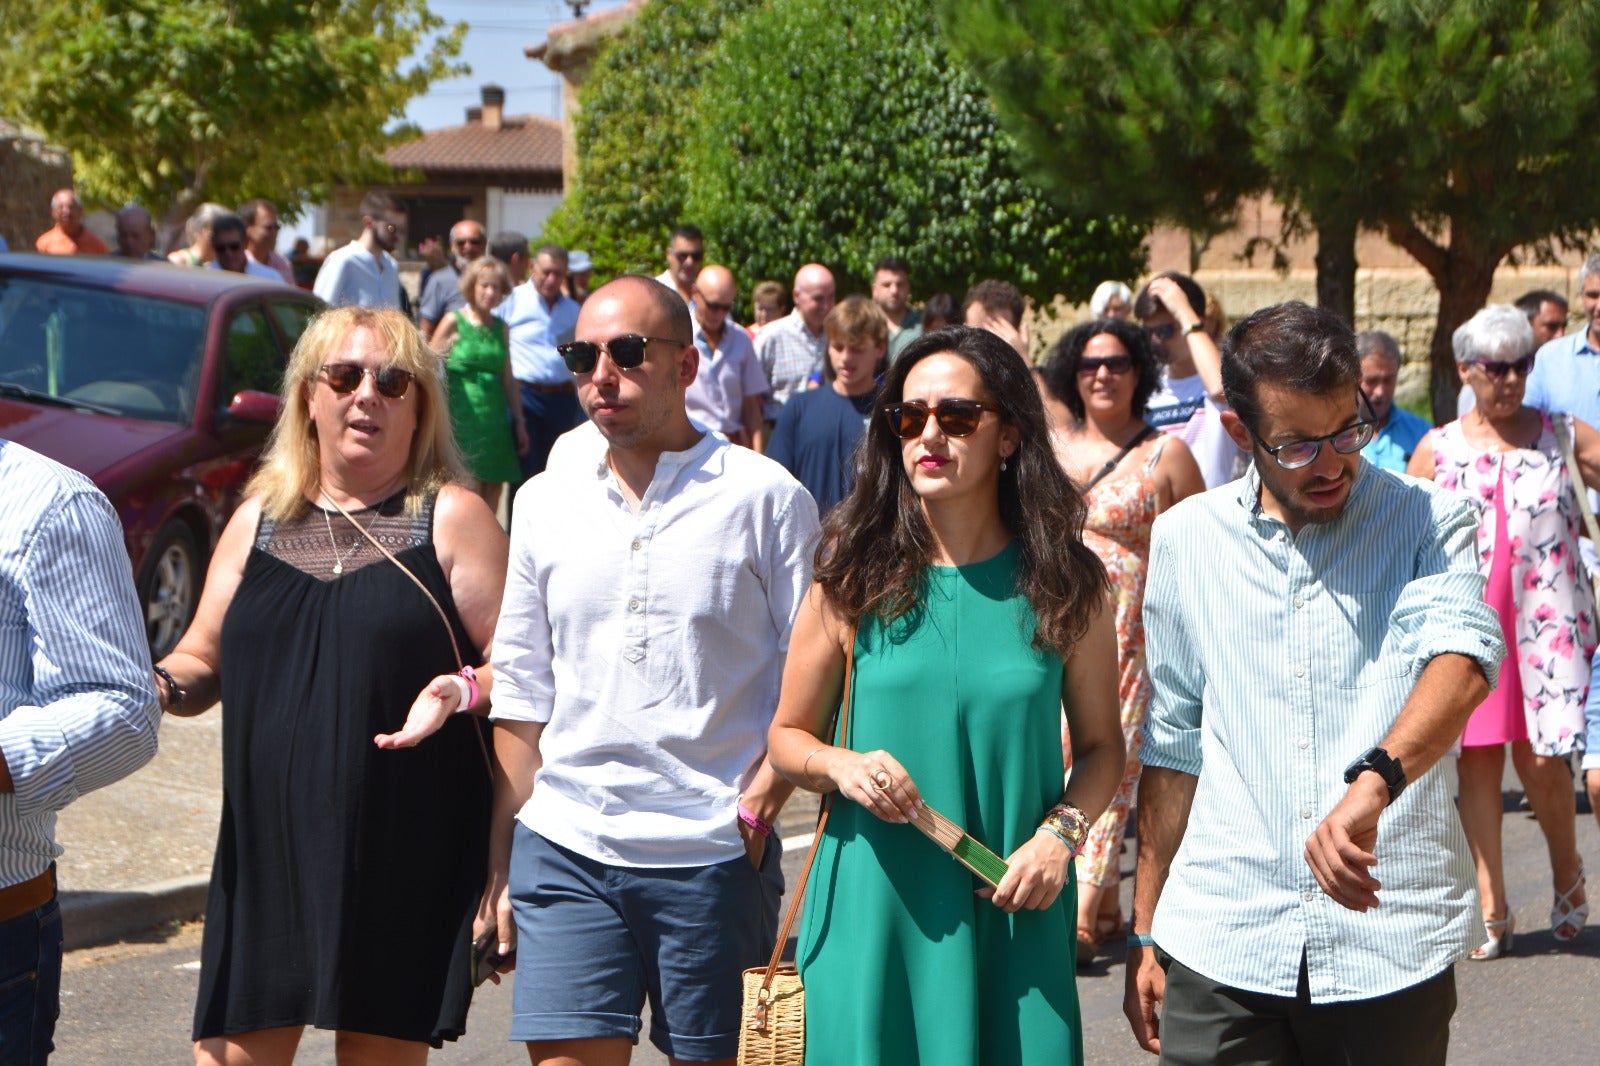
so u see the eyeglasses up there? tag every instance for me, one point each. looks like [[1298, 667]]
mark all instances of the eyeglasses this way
[[231, 246], [956, 418], [626, 351], [710, 306], [391, 381], [1498, 369], [1163, 333], [1115, 364], [683, 256], [1347, 441], [468, 240]]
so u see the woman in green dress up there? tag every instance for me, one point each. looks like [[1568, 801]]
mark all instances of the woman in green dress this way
[[483, 405], [957, 572]]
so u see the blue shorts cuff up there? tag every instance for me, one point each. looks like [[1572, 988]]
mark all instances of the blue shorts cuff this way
[[592, 1025], [695, 1048]]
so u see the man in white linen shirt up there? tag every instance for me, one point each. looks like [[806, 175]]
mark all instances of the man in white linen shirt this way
[[363, 273], [655, 573]]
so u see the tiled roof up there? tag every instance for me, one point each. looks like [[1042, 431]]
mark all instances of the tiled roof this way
[[525, 144]]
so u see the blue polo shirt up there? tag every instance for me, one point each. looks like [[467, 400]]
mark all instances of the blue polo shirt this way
[[1566, 378], [534, 331], [1391, 446]]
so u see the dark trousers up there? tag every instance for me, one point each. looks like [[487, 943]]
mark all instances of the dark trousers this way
[[547, 415], [30, 985], [1203, 1022]]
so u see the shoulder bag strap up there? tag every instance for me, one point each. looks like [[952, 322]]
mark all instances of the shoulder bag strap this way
[[822, 823], [1143, 436], [450, 630]]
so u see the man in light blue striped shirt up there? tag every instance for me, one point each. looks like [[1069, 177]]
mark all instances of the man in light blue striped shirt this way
[[1317, 638], [77, 710]]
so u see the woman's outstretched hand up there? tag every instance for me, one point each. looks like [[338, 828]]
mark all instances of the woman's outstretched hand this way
[[428, 712]]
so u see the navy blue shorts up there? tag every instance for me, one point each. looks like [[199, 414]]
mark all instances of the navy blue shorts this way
[[593, 941]]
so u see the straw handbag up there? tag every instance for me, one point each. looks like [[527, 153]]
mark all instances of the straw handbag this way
[[772, 1021]]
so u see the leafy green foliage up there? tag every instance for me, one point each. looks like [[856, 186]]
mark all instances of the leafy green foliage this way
[[174, 102], [1458, 127], [636, 105], [865, 138]]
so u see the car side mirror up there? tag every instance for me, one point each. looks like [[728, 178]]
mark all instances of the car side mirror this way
[[248, 405]]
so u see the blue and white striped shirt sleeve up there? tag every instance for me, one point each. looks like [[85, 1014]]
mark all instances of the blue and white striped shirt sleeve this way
[[1177, 676], [88, 712]]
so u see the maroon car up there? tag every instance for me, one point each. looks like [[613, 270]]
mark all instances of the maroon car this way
[[160, 383]]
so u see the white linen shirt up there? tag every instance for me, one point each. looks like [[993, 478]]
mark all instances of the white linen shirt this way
[[650, 644], [728, 375], [354, 276], [1275, 661]]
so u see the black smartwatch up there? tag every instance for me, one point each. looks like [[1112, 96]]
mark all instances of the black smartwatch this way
[[1379, 762]]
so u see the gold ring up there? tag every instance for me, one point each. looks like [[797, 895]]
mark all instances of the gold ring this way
[[881, 780]]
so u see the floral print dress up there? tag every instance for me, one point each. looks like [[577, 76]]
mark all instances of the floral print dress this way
[[1117, 529], [1528, 544]]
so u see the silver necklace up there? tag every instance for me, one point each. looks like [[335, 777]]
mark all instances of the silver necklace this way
[[339, 560]]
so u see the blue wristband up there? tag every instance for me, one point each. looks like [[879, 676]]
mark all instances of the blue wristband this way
[[1141, 940]]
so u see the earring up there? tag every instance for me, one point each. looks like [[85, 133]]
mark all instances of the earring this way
[[1002, 466]]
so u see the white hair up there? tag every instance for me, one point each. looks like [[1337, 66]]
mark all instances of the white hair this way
[[1499, 332], [1104, 293]]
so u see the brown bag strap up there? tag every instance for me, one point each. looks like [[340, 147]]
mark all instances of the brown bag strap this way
[[822, 823], [450, 630]]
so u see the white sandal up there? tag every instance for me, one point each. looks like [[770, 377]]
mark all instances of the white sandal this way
[[1564, 914], [1502, 932]]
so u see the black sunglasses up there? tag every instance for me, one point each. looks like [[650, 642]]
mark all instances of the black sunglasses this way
[[688, 255], [956, 418], [231, 246], [710, 306], [391, 381], [1498, 369], [626, 351], [1116, 364]]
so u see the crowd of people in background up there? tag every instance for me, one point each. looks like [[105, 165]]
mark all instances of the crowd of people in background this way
[[1046, 556]]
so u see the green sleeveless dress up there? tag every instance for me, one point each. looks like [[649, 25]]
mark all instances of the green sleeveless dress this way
[[475, 369], [902, 963]]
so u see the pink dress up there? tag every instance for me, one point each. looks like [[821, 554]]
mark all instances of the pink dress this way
[[1528, 544]]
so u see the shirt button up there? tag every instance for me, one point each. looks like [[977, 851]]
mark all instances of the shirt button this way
[[1299, 671], [1305, 812], [1299, 603], [633, 605], [1304, 743], [1308, 895], [638, 544]]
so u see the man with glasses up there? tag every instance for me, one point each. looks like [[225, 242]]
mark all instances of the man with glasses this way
[[442, 293], [686, 253], [363, 272], [1171, 308], [1308, 676], [261, 230], [727, 392], [229, 242], [655, 574], [539, 317]]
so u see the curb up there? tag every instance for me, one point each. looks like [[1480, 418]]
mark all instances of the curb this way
[[90, 919]]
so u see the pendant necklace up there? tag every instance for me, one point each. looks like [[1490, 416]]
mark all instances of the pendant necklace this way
[[339, 560]]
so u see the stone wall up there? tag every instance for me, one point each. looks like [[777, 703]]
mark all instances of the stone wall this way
[[30, 172]]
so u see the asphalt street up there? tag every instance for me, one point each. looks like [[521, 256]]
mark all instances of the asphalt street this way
[[131, 1002]]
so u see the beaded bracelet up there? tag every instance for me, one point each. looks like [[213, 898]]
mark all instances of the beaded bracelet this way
[[175, 693], [1069, 823]]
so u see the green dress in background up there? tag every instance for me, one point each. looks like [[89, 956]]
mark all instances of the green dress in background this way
[[475, 370], [902, 963]]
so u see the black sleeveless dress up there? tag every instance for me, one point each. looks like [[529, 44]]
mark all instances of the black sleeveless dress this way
[[346, 877]]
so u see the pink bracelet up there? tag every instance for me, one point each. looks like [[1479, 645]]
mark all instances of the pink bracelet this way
[[470, 676], [751, 819]]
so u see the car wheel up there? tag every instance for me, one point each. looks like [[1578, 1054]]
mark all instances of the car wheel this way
[[169, 589]]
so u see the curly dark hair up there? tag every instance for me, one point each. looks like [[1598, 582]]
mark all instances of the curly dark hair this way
[[1060, 370], [877, 544]]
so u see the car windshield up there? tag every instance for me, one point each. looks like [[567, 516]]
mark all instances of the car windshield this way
[[134, 355]]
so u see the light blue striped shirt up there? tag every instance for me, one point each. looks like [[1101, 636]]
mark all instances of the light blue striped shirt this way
[[77, 708], [1277, 660]]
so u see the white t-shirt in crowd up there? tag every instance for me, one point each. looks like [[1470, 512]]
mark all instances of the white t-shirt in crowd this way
[[1183, 407]]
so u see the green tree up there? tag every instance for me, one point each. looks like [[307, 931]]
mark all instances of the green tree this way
[[846, 144], [175, 102], [1457, 127], [635, 108]]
